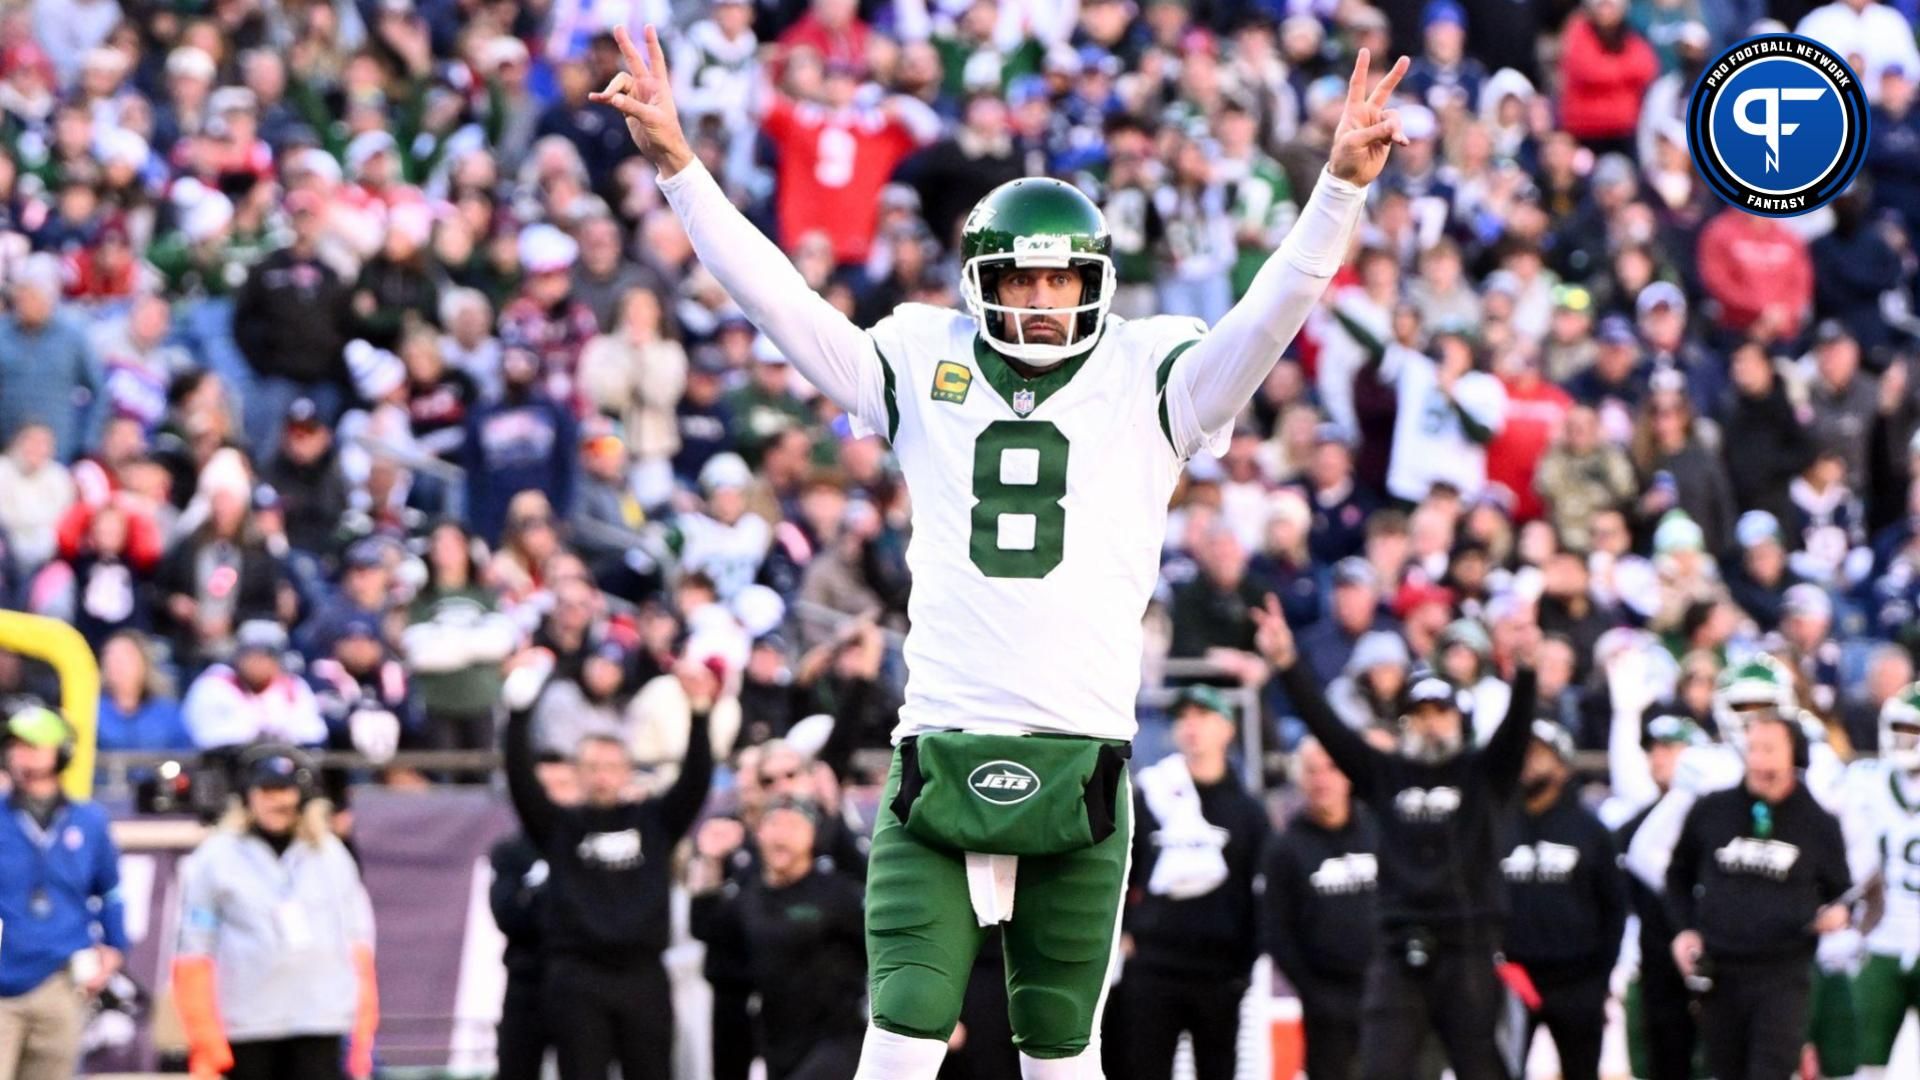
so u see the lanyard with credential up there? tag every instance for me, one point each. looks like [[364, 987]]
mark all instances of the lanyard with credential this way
[[288, 916], [39, 899]]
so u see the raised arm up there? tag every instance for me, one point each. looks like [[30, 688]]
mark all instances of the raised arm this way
[[1215, 379], [834, 355], [1343, 744]]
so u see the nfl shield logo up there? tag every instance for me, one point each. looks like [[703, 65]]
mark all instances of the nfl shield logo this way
[[1023, 401]]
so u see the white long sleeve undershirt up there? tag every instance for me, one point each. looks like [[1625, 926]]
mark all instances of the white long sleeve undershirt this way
[[1209, 384]]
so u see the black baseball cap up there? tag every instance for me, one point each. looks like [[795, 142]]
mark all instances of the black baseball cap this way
[[275, 767]]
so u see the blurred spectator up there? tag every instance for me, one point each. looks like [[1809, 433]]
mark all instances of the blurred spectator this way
[[218, 575], [363, 692], [287, 320], [1449, 410], [836, 153], [50, 371], [1893, 147], [1766, 446], [546, 326], [1605, 69], [273, 971], [61, 901], [1854, 266], [1876, 36], [255, 698], [1340, 506], [953, 174], [522, 443], [40, 489], [725, 541], [305, 473], [799, 926], [364, 590], [1329, 644], [1282, 565], [636, 374], [1678, 471], [455, 641], [1829, 528], [1536, 413], [591, 706], [1210, 617], [1661, 310], [1758, 273], [1889, 670], [1581, 474], [139, 709], [1843, 399], [1760, 577]]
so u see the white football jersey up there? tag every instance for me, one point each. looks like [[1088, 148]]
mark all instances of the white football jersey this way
[[1039, 506], [1882, 824], [729, 554]]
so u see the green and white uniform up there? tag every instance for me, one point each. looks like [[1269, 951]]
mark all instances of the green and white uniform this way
[[1882, 825], [1039, 508]]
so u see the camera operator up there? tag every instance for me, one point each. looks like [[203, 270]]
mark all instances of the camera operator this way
[[799, 923], [1753, 880], [1320, 919], [1438, 801], [610, 871]]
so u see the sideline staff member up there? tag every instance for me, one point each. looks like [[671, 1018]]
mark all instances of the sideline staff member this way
[[275, 963], [1753, 880], [1320, 918], [56, 862], [1439, 802], [610, 865]]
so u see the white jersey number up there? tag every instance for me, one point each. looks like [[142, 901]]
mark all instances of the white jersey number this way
[[1019, 478]]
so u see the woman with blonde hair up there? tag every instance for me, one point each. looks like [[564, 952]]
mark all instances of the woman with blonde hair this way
[[273, 974]]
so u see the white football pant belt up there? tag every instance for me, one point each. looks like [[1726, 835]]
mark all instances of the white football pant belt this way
[[990, 885]]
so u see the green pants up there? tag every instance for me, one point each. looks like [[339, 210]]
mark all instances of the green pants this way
[[1883, 992], [922, 935], [1831, 1025]]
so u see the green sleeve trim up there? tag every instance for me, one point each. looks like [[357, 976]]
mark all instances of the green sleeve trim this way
[[1375, 348], [891, 395], [1479, 433], [1160, 387]]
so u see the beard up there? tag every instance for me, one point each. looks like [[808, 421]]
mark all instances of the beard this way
[[1043, 330], [1428, 749]]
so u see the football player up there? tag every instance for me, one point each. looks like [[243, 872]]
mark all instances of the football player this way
[[1882, 825], [1041, 437]]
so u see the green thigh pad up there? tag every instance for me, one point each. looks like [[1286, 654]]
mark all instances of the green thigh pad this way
[[1831, 1025], [1882, 995]]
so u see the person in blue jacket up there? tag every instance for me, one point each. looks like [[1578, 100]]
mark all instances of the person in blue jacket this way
[[525, 440], [62, 934]]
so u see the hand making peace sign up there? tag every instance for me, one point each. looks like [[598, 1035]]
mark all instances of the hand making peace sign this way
[[1368, 129], [644, 95]]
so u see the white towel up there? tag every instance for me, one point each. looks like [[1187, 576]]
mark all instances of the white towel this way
[[990, 882], [1189, 863]]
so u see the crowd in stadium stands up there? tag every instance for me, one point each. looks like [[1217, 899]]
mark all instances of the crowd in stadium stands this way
[[349, 352]]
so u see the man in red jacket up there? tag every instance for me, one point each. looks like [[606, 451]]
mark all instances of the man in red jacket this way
[[1605, 69], [1759, 272], [1536, 410], [835, 156]]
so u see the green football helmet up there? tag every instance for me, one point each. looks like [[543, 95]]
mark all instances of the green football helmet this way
[[1043, 223], [1900, 729], [1763, 683]]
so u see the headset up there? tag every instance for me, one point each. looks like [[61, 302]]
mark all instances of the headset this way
[[306, 772], [18, 707]]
